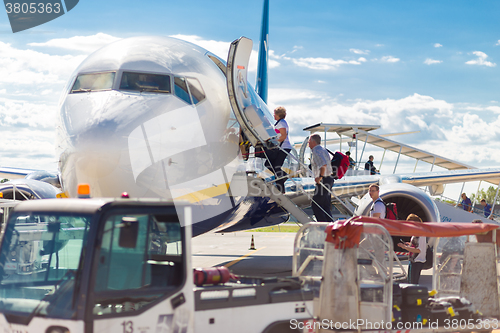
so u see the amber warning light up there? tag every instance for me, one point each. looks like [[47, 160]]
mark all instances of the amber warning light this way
[[84, 191]]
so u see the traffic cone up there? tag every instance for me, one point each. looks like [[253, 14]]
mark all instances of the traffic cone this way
[[252, 245]]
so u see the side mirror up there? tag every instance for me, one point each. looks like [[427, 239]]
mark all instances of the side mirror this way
[[129, 230]]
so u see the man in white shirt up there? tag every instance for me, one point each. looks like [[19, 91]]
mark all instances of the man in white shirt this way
[[322, 170], [378, 206]]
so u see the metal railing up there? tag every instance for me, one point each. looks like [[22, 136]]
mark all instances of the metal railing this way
[[476, 209]]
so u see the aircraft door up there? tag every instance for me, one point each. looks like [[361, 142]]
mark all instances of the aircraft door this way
[[251, 112]]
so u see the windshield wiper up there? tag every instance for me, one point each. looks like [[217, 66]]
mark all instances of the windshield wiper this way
[[81, 90], [69, 274]]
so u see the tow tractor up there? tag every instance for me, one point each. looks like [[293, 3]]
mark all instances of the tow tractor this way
[[123, 265]]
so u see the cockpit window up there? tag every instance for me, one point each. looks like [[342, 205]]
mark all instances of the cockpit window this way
[[145, 82], [93, 82], [193, 95], [181, 89], [196, 90]]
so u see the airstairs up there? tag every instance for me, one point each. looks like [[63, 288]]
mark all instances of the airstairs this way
[[258, 187], [256, 123], [345, 206]]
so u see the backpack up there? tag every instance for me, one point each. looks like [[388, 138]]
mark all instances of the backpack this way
[[340, 164], [391, 210], [429, 258]]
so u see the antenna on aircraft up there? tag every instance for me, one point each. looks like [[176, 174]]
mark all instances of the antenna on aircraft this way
[[261, 84]]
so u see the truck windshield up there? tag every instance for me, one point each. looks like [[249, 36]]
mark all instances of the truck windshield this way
[[39, 260]]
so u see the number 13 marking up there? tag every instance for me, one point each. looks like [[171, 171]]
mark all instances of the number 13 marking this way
[[128, 327]]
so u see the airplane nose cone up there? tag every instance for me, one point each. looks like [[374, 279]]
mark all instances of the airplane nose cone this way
[[99, 154], [95, 156], [119, 146]]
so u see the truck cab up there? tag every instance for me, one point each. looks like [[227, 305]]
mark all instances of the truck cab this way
[[96, 265]]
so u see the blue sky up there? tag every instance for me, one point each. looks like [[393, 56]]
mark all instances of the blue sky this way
[[428, 66]]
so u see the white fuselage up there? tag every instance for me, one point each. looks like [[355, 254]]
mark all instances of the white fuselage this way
[[122, 131]]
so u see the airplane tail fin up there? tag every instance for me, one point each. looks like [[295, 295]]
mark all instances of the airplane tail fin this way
[[261, 85]]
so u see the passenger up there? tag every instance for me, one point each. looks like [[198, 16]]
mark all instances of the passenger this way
[[466, 203], [276, 157], [322, 171], [378, 206], [369, 166], [486, 209], [418, 248], [352, 164]]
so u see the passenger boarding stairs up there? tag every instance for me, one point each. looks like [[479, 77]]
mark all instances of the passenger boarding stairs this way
[[344, 205], [258, 187], [256, 125]]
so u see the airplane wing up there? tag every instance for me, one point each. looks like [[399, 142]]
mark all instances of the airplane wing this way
[[14, 173], [358, 185], [28, 183], [491, 175]]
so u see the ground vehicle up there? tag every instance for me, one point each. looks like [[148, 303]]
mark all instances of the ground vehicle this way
[[122, 265], [355, 266]]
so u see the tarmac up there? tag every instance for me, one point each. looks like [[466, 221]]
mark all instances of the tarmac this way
[[272, 255]]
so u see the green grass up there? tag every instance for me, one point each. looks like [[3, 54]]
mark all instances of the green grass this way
[[277, 228]]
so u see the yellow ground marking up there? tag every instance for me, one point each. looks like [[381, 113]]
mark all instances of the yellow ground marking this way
[[243, 257]]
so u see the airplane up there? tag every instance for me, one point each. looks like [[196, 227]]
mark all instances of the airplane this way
[[160, 117]]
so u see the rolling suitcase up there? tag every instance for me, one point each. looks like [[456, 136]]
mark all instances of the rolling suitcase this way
[[414, 295]]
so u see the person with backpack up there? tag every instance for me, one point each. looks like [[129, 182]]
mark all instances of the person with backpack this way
[[322, 171], [340, 164], [418, 252], [276, 157], [378, 206]]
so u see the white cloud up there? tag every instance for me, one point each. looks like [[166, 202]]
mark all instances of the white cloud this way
[[221, 49], [430, 61], [323, 63], [389, 59], [498, 43], [446, 129], [28, 134], [481, 60], [356, 51], [86, 44], [28, 67], [494, 108], [438, 45], [362, 59]]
